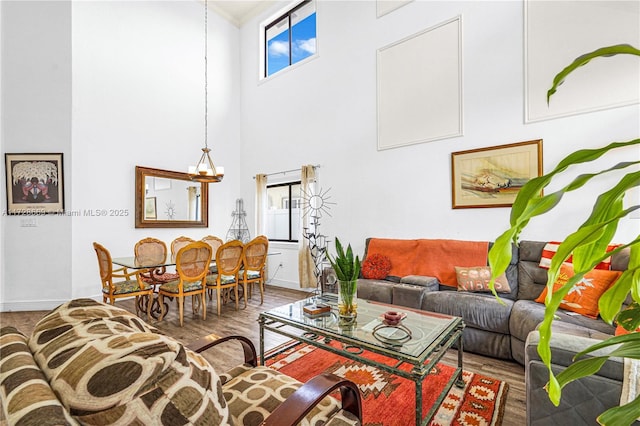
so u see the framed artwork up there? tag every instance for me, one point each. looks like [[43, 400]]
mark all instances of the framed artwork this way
[[150, 211], [35, 183], [492, 177]]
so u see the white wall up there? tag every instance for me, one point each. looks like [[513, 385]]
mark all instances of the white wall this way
[[138, 78], [36, 106], [324, 112], [133, 94], [118, 84], [2, 188]]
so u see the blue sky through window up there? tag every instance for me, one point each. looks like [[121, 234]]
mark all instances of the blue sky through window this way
[[303, 45], [303, 39]]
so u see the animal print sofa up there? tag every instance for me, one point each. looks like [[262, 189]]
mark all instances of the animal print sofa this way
[[92, 363]]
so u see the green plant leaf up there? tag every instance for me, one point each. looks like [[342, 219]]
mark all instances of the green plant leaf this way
[[534, 187], [611, 301], [588, 245], [629, 318], [619, 49], [346, 267], [622, 415]]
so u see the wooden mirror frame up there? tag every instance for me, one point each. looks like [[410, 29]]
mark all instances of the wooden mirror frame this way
[[141, 222]]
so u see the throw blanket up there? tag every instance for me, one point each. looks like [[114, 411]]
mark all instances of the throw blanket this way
[[432, 258], [631, 381]]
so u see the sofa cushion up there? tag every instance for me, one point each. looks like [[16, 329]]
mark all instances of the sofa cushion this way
[[431, 283], [106, 370], [28, 398], [531, 277], [255, 393], [407, 295], [583, 297], [551, 248], [526, 315], [377, 290], [477, 278], [481, 311]]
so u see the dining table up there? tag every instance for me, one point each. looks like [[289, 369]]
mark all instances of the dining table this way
[[155, 270]]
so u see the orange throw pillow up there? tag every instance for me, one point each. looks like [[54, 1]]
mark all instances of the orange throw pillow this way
[[620, 331], [376, 266], [583, 297]]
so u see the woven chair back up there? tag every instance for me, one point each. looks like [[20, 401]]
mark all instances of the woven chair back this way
[[255, 253], [214, 242], [192, 261], [150, 251], [104, 262], [229, 257], [178, 243]]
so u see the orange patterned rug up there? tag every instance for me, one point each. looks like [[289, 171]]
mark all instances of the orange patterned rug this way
[[389, 400]]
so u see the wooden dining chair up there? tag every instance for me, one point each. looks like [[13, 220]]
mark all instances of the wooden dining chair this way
[[254, 259], [153, 251], [215, 244], [178, 243], [130, 286], [192, 264], [228, 261]]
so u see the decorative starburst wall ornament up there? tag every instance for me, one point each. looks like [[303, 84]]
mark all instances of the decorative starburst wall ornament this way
[[316, 202], [170, 210]]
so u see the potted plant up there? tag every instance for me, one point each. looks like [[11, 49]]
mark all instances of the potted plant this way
[[588, 244], [347, 270]]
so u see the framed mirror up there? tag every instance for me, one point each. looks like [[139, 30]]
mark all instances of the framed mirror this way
[[166, 199]]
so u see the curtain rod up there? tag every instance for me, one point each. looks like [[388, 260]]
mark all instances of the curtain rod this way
[[284, 172]]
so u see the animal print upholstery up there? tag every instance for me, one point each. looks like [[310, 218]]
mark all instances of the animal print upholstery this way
[[255, 393], [30, 399], [109, 367], [91, 363]]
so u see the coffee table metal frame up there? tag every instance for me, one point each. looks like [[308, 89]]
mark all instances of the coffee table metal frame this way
[[422, 361]]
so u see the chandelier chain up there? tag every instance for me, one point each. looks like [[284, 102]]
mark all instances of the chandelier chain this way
[[206, 68]]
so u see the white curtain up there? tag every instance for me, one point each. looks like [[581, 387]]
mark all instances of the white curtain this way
[[261, 204], [305, 260]]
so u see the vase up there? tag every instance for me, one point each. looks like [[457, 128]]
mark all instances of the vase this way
[[347, 301]]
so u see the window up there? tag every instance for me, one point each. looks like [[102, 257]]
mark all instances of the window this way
[[290, 38], [283, 214]]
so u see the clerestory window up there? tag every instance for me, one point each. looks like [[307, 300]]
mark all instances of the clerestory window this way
[[290, 38]]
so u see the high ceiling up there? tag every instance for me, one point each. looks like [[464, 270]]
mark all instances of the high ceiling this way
[[239, 11]]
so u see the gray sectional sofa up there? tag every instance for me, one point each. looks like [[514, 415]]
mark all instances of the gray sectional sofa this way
[[507, 330]]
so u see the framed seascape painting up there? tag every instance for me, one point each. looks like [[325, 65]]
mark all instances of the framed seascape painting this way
[[492, 177], [35, 183]]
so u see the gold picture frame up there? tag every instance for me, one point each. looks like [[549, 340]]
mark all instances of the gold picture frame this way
[[35, 183], [492, 176], [150, 208]]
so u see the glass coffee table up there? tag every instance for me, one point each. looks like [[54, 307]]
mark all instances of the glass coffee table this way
[[419, 341]]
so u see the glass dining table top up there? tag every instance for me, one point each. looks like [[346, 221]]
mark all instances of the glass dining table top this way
[[134, 262]]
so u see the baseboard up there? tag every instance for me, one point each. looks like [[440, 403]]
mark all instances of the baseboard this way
[[284, 283], [35, 305]]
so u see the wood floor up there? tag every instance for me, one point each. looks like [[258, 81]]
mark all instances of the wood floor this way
[[244, 322]]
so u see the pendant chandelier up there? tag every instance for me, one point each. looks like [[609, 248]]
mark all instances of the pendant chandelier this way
[[204, 170]]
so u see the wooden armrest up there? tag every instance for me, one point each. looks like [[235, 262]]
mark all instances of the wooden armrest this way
[[207, 342], [302, 401], [124, 273]]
